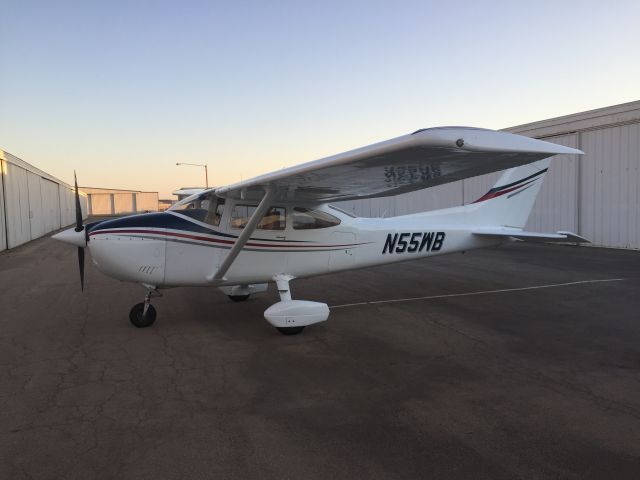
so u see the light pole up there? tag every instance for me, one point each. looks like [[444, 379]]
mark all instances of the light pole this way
[[206, 173]]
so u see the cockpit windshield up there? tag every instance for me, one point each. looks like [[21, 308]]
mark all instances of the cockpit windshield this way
[[204, 207]]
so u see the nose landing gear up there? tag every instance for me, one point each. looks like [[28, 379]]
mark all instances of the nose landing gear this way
[[144, 314]]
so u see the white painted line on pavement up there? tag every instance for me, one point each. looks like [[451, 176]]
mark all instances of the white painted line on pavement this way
[[485, 292]]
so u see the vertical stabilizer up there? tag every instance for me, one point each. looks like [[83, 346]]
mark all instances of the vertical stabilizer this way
[[511, 199]]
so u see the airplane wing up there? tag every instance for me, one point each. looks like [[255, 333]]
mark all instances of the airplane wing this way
[[187, 192], [560, 237], [425, 158]]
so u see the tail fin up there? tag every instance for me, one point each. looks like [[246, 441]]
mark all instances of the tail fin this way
[[511, 199]]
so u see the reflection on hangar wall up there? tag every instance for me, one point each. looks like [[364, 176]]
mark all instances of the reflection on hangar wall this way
[[32, 202], [597, 195]]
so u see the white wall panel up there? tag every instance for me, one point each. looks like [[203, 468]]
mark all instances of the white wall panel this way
[[147, 201], [123, 202], [32, 202], [17, 205], [609, 200], [101, 204], [50, 205], [442, 196], [630, 143], [84, 206], [556, 207], [36, 213], [3, 225], [66, 206]]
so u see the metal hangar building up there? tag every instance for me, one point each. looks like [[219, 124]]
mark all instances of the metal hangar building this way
[[32, 202], [596, 195]]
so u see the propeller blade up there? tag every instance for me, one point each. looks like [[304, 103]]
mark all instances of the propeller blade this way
[[81, 265], [79, 226]]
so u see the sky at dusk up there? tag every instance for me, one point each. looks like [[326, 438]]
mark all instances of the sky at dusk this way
[[122, 90]]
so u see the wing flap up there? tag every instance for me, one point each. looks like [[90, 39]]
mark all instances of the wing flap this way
[[423, 159], [558, 237]]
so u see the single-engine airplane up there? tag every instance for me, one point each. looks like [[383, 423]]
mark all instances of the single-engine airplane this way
[[281, 226]]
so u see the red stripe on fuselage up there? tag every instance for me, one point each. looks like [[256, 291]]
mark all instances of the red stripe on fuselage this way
[[213, 240]]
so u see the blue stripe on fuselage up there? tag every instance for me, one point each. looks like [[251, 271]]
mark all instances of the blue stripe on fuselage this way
[[153, 220], [167, 220]]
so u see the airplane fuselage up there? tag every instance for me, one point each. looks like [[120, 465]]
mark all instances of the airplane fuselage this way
[[172, 248]]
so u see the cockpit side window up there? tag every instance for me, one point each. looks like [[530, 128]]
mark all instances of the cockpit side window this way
[[214, 212], [207, 208], [309, 219], [274, 219]]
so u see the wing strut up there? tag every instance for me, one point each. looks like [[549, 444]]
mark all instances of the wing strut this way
[[249, 228]]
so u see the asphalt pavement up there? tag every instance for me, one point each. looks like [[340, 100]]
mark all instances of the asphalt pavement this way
[[516, 362]]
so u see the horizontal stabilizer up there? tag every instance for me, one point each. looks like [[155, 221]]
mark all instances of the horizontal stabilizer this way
[[559, 237]]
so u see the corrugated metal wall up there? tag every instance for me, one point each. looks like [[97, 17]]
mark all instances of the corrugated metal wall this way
[[123, 203], [100, 204], [32, 203], [556, 207], [609, 186], [17, 204], [147, 202], [118, 202], [67, 205], [3, 225], [596, 195], [434, 198]]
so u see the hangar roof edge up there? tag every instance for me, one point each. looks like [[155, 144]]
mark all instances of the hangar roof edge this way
[[624, 113]]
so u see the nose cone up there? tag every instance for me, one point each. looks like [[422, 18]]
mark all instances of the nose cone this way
[[72, 237]]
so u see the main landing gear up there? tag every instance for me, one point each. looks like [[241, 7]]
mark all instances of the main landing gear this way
[[288, 316], [239, 298], [290, 330], [240, 293], [291, 316], [144, 314]]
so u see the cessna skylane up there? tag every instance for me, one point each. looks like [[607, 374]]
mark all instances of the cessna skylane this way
[[281, 226]]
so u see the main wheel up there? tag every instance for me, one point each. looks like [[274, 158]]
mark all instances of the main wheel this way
[[140, 321], [290, 330], [239, 298]]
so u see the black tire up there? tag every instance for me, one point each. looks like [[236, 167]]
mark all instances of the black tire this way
[[290, 330], [239, 298], [136, 318]]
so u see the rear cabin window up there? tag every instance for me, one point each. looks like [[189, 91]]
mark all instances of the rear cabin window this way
[[309, 219], [274, 219], [205, 208]]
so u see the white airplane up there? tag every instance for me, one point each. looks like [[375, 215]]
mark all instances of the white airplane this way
[[281, 226]]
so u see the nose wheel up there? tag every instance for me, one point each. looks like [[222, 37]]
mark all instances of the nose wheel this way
[[140, 318], [143, 314]]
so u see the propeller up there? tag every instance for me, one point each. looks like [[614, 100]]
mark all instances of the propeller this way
[[79, 228], [77, 235]]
